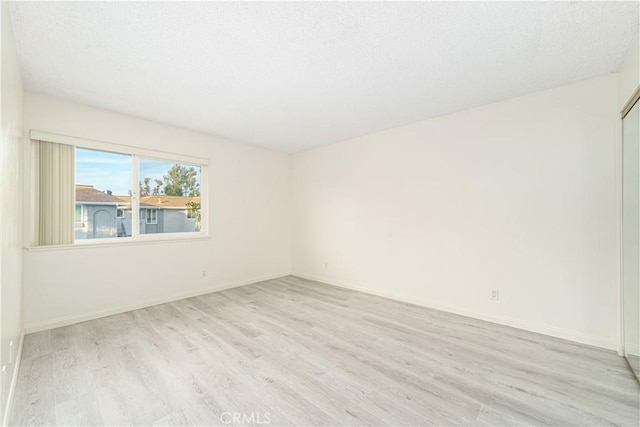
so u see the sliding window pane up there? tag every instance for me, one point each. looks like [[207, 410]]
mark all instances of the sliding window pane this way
[[103, 194], [169, 197]]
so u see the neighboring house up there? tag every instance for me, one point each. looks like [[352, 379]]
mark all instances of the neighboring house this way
[[161, 214], [168, 214], [96, 214], [100, 215], [125, 216]]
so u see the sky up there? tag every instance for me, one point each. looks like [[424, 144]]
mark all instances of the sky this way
[[111, 171]]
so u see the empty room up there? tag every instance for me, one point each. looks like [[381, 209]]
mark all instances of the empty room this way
[[320, 213]]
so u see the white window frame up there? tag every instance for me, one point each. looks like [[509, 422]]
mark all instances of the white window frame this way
[[136, 153], [154, 218]]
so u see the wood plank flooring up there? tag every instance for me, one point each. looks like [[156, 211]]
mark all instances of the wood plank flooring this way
[[296, 352]]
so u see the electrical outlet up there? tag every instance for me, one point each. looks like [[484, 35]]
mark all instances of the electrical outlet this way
[[495, 295]]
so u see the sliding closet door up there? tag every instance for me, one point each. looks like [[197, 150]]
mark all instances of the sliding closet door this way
[[631, 236]]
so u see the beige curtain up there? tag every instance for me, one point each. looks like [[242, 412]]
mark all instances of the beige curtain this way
[[55, 187]]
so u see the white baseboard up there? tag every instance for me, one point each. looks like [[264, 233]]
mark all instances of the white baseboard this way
[[515, 323], [14, 381], [70, 320]]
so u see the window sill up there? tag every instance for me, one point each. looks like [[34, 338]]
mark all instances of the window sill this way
[[113, 243]]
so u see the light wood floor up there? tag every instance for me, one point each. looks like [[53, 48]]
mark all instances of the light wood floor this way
[[296, 352]]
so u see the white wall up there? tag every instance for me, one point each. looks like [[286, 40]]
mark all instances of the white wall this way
[[249, 223], [629, 74], [10, 210], [628, 82], [518, 196]]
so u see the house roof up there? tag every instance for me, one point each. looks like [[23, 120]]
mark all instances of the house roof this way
[[124, 199], [127, 201], [89, 194], [168, 201], [161, 201]]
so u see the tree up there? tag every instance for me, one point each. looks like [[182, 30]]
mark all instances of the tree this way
[[157, 190], [145, 188], [181, 181], [109, 192], [195, 207]]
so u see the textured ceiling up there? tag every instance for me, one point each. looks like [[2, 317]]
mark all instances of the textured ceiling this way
[[291, 76]]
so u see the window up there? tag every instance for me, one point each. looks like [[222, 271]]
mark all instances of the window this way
[[103, 186], [167, 189], [108, 188], [152, 216], [78, 215]]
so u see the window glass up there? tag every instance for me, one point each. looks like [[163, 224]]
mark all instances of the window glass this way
[[103, 187], [105, 200], [152, 216], [170, 192]]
